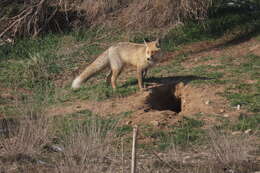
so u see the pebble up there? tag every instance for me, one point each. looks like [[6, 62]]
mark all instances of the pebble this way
[[207, 102], [248, 131], [57, 148], [129, 122], [78, 106], [155, 123], [226, 115]]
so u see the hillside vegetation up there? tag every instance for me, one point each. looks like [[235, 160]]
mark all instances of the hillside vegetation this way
[[199, 114]]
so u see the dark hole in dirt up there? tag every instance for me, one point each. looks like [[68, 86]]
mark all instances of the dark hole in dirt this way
[[166, 98]]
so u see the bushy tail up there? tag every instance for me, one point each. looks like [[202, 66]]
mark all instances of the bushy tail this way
[[100, 63]]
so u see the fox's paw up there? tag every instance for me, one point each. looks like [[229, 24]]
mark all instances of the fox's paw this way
[[144, 89]]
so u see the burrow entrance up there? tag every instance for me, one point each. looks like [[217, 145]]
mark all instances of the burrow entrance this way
[[167, 97]]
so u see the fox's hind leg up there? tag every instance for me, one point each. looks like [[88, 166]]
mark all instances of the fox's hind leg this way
[[116, 65], [108, 78], [116, 68], [115, 74]]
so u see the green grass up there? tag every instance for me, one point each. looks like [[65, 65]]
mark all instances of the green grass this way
[[188, 132], [241, 92], [123, 130], [80, 114], [38, 64], [23, 48], [101, 91], [246, 122]]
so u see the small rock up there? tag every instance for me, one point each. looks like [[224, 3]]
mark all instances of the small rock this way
[[222, 110], [207, 102], [147, 110], [129, 122], [186, 159], [258, 159], [57, 148], [42, 162], [248, 131], [230, 171], [78, 106], [236, 133], [238, 107], [226, 115], [155, 123]]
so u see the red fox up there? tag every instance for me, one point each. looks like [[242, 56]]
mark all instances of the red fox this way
[[139, 55]]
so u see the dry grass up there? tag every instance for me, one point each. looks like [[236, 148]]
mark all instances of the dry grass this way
[[32, 17], [224, 153], [160, 13], [27, 136], [91, 146], [88, 149], [36, 16], [231, 152]]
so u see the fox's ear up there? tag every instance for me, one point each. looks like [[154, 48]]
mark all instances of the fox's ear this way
[[145, 43], [157, 41]]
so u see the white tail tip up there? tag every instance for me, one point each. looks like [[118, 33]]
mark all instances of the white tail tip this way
[[76, 83]]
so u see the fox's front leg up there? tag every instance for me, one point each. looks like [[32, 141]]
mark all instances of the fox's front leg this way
[[140, 78], [144, 73]]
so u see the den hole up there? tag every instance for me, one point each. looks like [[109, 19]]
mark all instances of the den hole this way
[[165, 98]]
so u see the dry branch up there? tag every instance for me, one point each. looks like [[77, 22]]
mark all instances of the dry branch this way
[[30, 20]]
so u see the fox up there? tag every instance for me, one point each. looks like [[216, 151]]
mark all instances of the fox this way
[[139, 55]]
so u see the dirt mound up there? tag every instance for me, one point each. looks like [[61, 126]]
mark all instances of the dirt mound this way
[[160, 106]]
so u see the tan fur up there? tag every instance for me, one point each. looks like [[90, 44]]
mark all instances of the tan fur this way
[[117, 56]]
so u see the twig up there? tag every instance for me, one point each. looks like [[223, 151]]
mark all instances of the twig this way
[[167, 164]]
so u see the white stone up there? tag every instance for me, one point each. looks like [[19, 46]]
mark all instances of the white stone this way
[[226, 115], [248, 131]]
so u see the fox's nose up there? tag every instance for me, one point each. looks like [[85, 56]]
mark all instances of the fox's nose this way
[[149, 59]]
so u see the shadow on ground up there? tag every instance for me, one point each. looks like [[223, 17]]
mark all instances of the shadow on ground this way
[[169, 80]]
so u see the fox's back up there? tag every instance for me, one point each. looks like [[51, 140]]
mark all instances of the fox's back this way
[[131, 53]]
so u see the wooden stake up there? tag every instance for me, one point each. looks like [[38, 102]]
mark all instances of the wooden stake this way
[[133, 163], [122, 146]]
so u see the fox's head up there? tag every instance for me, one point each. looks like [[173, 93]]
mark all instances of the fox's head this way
[[151, 49]]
